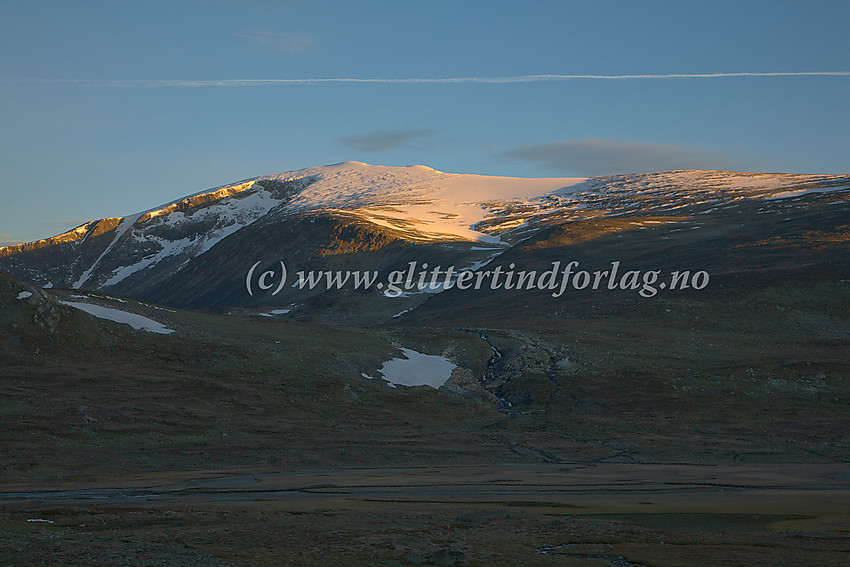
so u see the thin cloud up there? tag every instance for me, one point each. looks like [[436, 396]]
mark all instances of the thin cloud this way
[[593, 156], [280, 42], [385, 140], [444, 80], [8, 240]]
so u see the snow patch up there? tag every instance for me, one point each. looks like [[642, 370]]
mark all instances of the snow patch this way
[[417, 369], [801, 192], [24, 294], [132, 319], [274, 312]]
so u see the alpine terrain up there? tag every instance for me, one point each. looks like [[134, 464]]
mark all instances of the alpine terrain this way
[[370, 365]]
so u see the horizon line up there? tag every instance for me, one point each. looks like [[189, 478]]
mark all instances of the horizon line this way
[[414, 80]]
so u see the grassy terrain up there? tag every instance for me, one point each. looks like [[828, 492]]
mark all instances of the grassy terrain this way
[[514, 515]]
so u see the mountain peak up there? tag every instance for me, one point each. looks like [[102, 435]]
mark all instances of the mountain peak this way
[[415, 203]]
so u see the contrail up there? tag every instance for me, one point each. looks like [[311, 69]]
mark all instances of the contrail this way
[[398, 80]]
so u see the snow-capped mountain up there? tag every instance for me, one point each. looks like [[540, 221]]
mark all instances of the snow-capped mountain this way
[[226, 228]]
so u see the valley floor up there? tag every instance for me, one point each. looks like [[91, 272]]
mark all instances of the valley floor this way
[[528, 514]]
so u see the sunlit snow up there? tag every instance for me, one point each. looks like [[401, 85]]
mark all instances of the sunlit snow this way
[[420, 204]]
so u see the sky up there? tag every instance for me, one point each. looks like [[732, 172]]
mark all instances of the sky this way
[[113, 107]]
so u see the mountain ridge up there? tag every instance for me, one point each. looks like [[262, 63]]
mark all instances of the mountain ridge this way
[[423, 210]]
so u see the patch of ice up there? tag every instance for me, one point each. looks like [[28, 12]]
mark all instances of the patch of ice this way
[[24, 294], [132, 319], [417, 369]]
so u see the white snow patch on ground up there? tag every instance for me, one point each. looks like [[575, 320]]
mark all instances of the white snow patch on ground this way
[[124, 271], [132, 319], [24, 294], [274, 312], [789, 194], [417, 369]]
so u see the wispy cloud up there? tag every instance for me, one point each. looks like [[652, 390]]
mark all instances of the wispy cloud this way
[[8, 240], [594, 156], [280, 42], [385, 140], [412, 80]]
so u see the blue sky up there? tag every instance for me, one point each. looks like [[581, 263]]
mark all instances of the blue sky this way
[[109, 108]]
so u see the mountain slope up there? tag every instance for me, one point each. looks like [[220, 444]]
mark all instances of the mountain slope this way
[[195, 252]]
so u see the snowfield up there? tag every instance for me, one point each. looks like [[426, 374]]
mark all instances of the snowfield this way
[[136, 321]]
